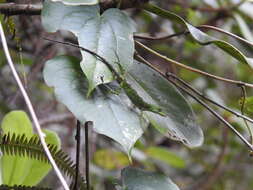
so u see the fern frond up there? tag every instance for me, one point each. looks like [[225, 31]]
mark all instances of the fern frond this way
[[19, 187], [19, 145]]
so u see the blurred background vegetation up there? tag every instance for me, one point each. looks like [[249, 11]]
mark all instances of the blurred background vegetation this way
[[222, 163]]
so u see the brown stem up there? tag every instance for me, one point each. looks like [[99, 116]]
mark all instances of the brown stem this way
[[35, 9], [178, 64], [20, 9], [214, 113], [87, 125]]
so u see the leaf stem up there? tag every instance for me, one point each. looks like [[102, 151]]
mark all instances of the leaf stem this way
[[31, 109], [210, 100], [87, 125], [78, 143], [244, 94], [239, 83]]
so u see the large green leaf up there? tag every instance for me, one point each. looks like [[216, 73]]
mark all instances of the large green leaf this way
[[179, 124], [201, 37], [78, 2], [110, 35], [18, 170], [137, 179], [111, 116]]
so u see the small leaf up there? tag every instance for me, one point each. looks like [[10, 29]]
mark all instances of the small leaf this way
[[201, 37], [111, 115], [179, 124], [110, 159], [137, 179], [162, 154], [78, 2], [110, 35], [17, 122]]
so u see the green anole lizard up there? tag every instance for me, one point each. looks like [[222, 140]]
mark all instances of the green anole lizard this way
[[130, 92]]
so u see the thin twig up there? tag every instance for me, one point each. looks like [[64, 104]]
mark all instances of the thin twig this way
[[78, 143], [209, 27], [244, 94], [185, 32], [136, 36], [214, 113], [90, 52], [239, 83], [208, 99], [87, 152], [31, 110], [227, 124]]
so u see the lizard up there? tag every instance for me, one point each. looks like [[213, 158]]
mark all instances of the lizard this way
[[132, 94]]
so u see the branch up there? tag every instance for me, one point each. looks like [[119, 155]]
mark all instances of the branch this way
[[210, 100], [78, 143], [31, 109], [35, 9], [20, 9], [87, 125]]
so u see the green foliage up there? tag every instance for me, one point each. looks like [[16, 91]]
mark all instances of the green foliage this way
[[110, 35], [19, 145], [24, 161]]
